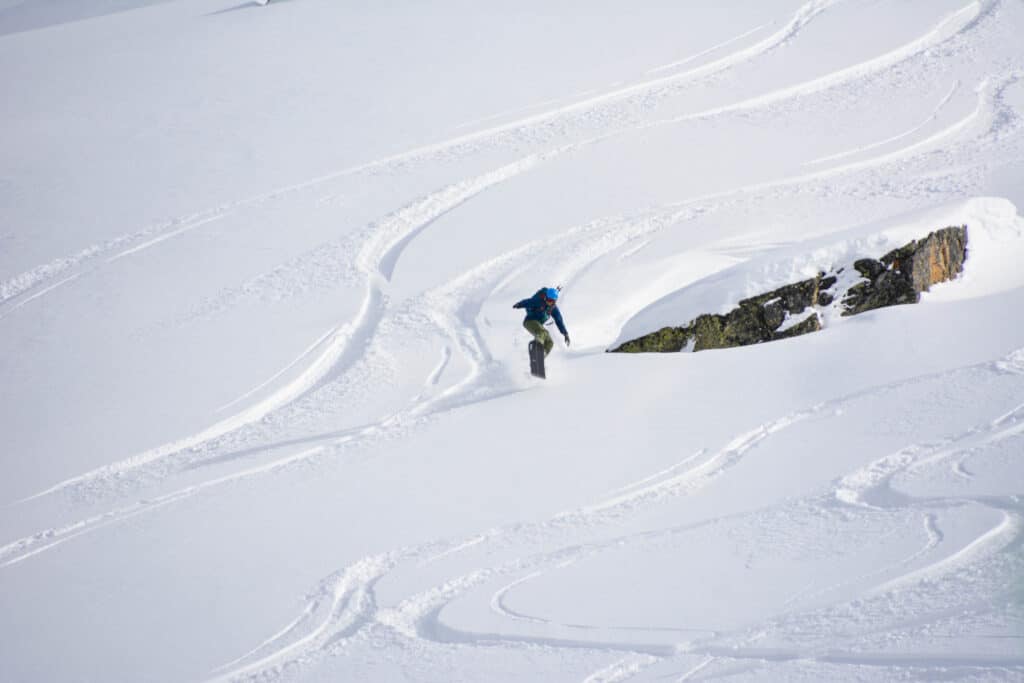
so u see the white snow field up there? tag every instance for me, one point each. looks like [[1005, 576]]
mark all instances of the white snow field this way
[[266, 406]]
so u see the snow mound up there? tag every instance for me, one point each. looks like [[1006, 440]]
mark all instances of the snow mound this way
[[995, 245]]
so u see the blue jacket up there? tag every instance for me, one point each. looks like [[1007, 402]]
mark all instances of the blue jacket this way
[[537, 308]]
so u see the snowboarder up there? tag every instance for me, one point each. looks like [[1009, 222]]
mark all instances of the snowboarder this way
[[539, 308]]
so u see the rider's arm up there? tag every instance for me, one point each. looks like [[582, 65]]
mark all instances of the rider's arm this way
[[557, 315]]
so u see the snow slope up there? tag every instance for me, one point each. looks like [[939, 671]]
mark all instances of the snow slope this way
[[265, 401]]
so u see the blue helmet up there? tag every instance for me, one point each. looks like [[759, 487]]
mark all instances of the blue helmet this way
[[551, 293]]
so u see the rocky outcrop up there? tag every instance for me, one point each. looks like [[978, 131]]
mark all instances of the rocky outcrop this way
[[754, 320], [898, 277]]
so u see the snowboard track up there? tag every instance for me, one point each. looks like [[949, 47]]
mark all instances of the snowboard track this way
[[418, 619], [589, 243], [644, 93], [384, 242]]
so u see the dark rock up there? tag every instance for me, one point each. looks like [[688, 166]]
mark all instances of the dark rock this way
[[811, 324], [799, 296], [909, 270], [897, 257], [774, 313], [856, 296], [869, 267], [745, 325], [826, 283], [890, 289]]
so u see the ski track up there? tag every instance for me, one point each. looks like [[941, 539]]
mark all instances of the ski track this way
[[474, 387], [136, 242], [689, 674], [528, 128], [996, 538], [955, 24], [35, 295], [499, 607], [417, 617], [881, 143], [587, 244], [933, 536], [622, 670], [389, 238], [30, 546], [705, 53], [868, 487], [381, 249], [310, 349]]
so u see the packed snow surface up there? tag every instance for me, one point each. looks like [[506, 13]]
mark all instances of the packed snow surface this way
[[266, 407]]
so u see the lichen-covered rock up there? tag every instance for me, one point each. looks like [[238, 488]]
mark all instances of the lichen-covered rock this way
[[665, 340], [753, 321], [745, 325], [709, 332]]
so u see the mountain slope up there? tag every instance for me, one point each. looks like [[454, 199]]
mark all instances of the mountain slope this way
[[267, 403]]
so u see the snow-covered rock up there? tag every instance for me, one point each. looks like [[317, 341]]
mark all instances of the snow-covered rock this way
[[898, 277]]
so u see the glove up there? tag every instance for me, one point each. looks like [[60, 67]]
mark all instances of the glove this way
[[516, 306], [566, 340]]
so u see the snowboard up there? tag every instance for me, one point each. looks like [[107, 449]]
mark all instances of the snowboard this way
[[537, 359]]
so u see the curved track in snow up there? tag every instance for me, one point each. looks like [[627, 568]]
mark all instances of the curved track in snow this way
[[382, 245], [38, 281], [384, 241], [345, 607]]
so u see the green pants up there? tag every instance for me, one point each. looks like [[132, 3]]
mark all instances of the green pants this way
[[539, 333]]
